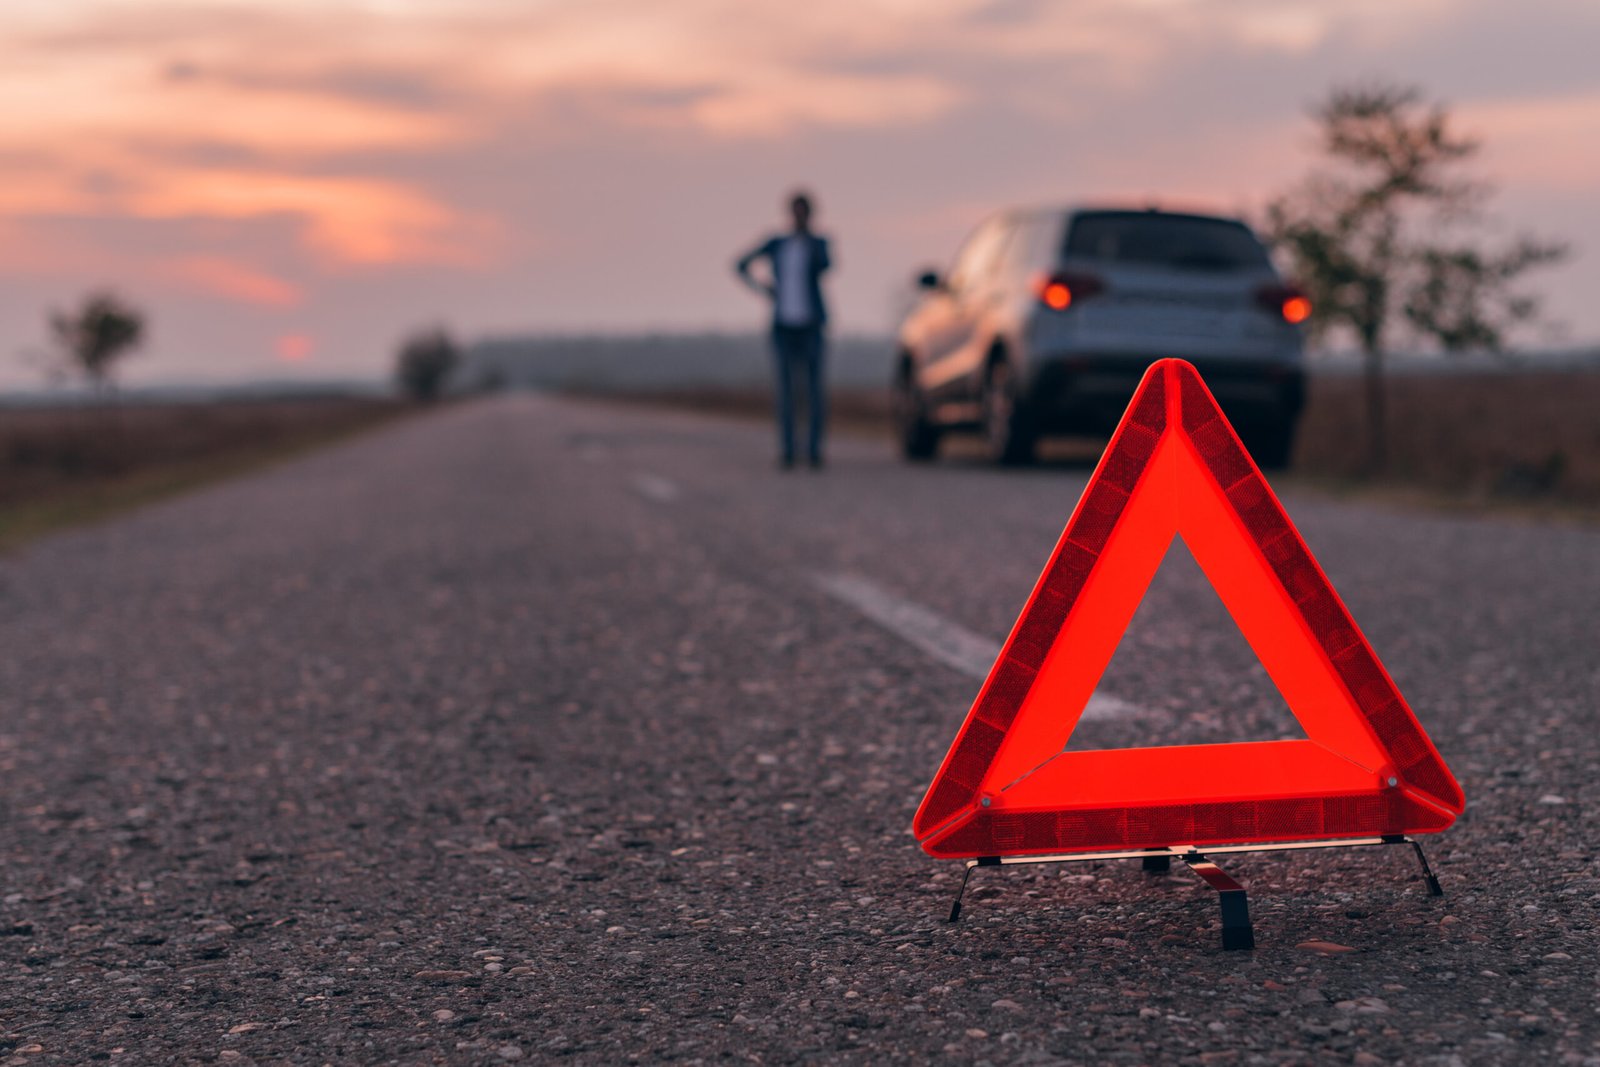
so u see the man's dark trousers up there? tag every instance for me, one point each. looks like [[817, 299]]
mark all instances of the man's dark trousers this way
[[799, 352]]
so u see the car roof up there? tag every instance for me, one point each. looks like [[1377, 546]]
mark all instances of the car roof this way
[[1078, 210]]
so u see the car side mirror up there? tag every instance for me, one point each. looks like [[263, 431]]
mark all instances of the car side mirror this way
[[930, 280]]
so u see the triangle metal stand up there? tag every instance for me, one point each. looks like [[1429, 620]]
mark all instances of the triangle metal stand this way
[[1237, 931]]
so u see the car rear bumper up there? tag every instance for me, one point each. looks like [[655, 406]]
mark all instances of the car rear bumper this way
[[1087, 394]]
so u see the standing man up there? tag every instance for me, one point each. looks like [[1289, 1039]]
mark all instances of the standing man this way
[[795, 262]]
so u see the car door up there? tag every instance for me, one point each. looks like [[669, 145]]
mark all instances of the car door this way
[[953, 315], [1032, 250], [986, 293]]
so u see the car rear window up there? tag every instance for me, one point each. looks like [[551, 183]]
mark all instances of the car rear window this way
[[1180, 241]]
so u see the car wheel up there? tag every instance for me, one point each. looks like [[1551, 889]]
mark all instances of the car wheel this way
[[1271, 444], [1007, 427], [919, 437]]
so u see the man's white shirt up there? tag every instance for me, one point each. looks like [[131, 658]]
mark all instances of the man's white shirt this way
[[792, 273]]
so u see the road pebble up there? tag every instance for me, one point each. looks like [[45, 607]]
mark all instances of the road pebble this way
[[1363, 1006], [1326, 948]]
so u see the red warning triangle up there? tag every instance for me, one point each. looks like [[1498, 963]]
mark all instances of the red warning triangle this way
[[1175, 468]]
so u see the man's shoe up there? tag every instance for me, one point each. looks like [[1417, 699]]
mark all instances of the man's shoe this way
[[786, 463], [816, 463]]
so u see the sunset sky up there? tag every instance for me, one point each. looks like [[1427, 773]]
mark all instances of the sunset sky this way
[[287, 186]]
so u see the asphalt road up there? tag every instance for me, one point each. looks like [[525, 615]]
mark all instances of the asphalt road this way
[[531, 730]]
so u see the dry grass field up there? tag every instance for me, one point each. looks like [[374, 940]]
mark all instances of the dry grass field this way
[[60, 466], [1526, 435]]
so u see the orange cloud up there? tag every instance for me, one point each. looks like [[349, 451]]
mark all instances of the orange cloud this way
[[111, 105], [366, 221], [236, 281], [173, 112], [343, 220]]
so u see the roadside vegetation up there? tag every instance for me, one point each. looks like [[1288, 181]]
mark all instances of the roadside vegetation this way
[[425, 362], [90, 340], [64, 466], [1388, 235], [1526, 437]]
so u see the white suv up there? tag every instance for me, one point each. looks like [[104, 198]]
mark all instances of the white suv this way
[[1047, 320]]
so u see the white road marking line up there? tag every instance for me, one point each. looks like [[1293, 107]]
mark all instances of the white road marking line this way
[[654, 487], [950, 643]]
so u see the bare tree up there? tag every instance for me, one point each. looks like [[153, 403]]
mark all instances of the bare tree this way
[[1379, 232], [95, 337], [425, 362]]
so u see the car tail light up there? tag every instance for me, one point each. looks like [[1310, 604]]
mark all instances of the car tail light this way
[[1058, 291], [1286, 301]]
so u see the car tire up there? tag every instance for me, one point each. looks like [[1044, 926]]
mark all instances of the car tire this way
[[1007, 426], [918, 436], [1271, 444]]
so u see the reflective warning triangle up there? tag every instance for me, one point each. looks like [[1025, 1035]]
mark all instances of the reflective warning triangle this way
[[1175, 468]]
